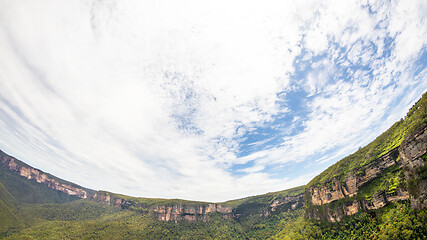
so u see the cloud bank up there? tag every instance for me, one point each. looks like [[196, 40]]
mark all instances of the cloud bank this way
[[199, 100]]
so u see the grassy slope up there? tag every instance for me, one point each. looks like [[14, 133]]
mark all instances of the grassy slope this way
[[392, 138]]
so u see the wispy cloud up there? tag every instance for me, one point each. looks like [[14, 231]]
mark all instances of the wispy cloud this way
[[165, 99]]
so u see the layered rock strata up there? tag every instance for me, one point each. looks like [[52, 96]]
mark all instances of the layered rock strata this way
[[335, 211], [335, 190], [40, 177], [413, 154], [166, 212], [161, 212], [334, 200]]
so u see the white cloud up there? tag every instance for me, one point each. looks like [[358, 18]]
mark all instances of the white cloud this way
[[152, 98]]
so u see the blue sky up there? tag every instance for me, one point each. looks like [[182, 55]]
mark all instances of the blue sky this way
[[203, 100]]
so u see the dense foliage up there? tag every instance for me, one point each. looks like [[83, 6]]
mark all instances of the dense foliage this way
[[83, 219], [130, 225], [396, 221]]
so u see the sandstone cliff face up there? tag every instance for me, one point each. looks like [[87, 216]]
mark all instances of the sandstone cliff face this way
[[354, 181], [174, 212], [412, 152], [34, 174], [161, 212], [334, 200], [190, 213], [335, 211]]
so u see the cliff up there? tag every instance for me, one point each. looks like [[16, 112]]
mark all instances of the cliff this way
[[390, 169], [368, 187], [30, 173], [164, 209], [375, 184], [177, 210], [174, 210], [335, 190], [413, 154]]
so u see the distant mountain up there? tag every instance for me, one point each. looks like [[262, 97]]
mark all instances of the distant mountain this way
[[378, 192]]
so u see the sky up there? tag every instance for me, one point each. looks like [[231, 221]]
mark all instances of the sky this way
[[203, 100]]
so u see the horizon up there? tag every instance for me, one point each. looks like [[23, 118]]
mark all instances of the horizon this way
[[168, 100]]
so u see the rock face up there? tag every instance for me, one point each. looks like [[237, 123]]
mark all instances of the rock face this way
[[354, 181], [412, 152], [329, 201], [166, 212], [40, 177], [333, 200], [189, 212], [161, 212]]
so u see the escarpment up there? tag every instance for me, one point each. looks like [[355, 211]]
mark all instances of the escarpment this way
[[413, 154], [336, 190], [172, 211], [164, 212], [401, 169], [190, 213], [30, 173], [359, 182]]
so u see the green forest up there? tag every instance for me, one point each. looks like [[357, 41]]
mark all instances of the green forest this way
[[31, 210]]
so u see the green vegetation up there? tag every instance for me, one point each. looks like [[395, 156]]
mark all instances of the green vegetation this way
[[265, 199], [31, 191], [156, 201], [396, 221], [129, 225], [8, 220], [416, 177], [388, 182], [29, 210], [392, 138], [262, 226], [83, 219]]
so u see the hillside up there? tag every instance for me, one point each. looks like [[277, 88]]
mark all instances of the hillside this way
[[379, 192], [389, 140], [37, 209], [390, 169]]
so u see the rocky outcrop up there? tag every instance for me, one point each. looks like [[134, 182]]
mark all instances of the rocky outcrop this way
[[336, 210], [166, 212], [333, 200], [105, 198], [175, 212], [33, 174], [189, 212], [413, 154], [334, 213], [288, 203], [335, 190]]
